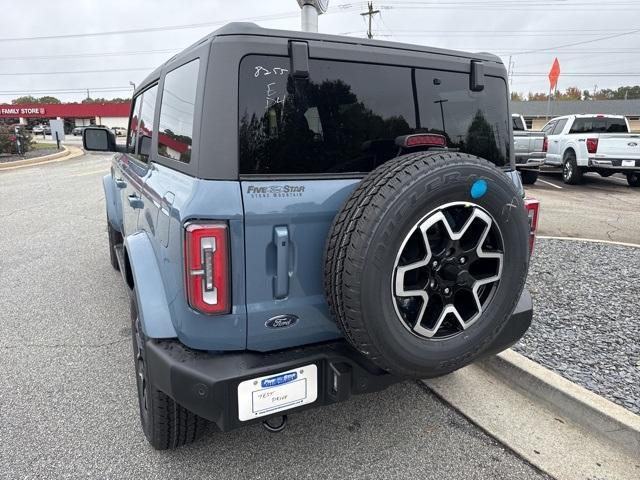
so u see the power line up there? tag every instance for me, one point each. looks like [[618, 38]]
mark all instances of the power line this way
[[89, 55], [148, 69]]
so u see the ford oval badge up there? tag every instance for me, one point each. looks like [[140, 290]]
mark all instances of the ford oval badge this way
[[282, 321]]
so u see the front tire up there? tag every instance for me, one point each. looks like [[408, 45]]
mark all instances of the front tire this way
[[166, 424], [633, 179], [529, 177], [571, 172]]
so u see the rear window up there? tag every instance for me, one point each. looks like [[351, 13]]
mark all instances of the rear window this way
[[346, 116], [599, 125]]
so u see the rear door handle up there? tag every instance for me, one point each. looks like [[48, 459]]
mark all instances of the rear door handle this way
[[135, 201], [120, 183], [281, 279]]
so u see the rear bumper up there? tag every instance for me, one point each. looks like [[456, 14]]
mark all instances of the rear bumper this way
[[530, 161], [614, 164], [207, 383]]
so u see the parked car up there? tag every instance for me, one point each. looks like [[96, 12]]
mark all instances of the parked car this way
[[77, 131], [331, 239], [530, 149], [47, 130], [119, 131], [593, 143], [37, 129]]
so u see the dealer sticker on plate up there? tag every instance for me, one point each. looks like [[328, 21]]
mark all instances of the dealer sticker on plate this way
[[628, 163], [274, 393]]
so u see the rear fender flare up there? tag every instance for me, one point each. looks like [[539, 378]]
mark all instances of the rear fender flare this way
[[114, 217], [148, 287]]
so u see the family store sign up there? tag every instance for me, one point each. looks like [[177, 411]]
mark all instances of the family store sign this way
[[18, 111]]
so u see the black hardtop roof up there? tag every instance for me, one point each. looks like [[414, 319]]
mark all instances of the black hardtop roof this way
[[249, 28]]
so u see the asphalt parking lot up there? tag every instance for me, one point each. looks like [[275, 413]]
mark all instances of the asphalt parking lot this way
[[67, 392], [600, 208]]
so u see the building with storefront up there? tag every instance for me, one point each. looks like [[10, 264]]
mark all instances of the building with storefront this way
[[73, 114], [535, 112]]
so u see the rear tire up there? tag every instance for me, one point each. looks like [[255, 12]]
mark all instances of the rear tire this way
[[571, 172], [166, 424], [529, 177], [369, 238], [633, 179], [115, 238]]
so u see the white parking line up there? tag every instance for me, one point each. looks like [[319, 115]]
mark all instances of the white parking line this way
[[549, 183]]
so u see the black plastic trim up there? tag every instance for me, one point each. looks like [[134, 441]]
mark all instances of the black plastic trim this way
[[206, 382]]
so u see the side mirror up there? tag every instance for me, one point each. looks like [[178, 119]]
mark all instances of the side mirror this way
[[98, 140]]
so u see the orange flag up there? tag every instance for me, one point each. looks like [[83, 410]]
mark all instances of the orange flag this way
[[554, 74]]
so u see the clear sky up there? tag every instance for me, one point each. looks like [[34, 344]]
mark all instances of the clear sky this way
[[42, 42]]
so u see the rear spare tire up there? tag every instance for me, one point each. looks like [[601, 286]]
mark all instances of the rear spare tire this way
[[426, 261]]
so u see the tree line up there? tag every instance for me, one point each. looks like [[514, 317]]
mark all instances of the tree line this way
[[574, 93], [29, 99]]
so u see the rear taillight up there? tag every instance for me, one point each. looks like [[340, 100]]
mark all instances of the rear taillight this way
[[207, 267], [545, 144], [532, 206], [592, 145]]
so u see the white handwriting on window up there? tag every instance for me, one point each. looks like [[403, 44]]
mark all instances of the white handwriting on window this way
[[260, 70]]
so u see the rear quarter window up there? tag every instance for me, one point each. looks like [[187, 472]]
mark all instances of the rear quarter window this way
[[175, 135], [346, 116]]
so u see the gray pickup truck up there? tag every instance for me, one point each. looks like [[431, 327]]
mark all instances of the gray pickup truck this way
[[530, 149]]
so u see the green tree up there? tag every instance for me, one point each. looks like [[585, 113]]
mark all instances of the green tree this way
[[48, 99], [25, 99]]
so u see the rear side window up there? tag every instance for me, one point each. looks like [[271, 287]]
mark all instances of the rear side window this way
[[548, 128], [599, 125], [559, 127], [175, 135], [346, 116], [518, 124]]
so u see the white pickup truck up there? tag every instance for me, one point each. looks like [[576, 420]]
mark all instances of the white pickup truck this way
[[593, 143]]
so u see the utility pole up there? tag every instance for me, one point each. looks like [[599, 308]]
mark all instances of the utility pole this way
[[370, 13], [88, 97]]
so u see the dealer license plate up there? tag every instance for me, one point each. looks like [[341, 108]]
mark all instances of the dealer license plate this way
[[274, 393], [628, 163]]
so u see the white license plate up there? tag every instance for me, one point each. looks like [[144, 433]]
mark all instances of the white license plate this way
[[628, 163], [274, 393]]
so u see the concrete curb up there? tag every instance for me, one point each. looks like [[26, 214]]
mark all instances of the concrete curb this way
[[582, 406], [590, 240], [66, 154]]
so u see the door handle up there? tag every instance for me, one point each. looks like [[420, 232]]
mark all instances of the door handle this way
[[556, 141], [135, 201], [281, 279], [120, 183]]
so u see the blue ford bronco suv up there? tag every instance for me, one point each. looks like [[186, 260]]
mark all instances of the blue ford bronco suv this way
[[303, 217]]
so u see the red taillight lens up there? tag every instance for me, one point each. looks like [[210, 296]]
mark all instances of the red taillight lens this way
[[207, 267], [532, 206], [545, 144], [592, 145], [424, 140]]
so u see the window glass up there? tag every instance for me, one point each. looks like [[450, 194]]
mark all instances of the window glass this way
[[133, 125], [344, 118], [559, 127], [548, 128], [599, 125], [177, 112], [145, 127], [473, 122], [518, 124]]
